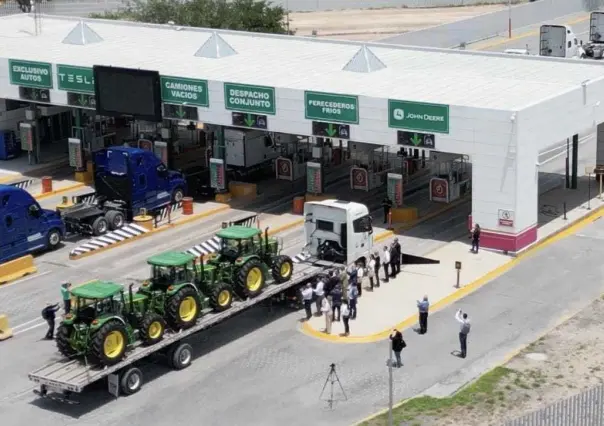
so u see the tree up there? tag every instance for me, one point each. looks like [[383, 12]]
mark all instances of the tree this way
[[242, 15]]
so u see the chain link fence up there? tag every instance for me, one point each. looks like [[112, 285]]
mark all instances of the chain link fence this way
[[80, 8], [584, 409]]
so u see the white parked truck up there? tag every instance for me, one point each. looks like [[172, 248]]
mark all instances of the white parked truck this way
[[248, 149], [594, 49], [558, 41]]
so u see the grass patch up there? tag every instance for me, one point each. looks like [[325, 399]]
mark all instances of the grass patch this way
[[482, 391]]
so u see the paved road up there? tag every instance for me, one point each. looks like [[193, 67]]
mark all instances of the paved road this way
[[258, 370], [488, 25], [529, 36]]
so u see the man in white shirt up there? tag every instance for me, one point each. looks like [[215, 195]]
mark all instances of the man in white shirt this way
[[360, 274], [326, 310], [320, 293], [464, 330], [307, 294], [385, 263]]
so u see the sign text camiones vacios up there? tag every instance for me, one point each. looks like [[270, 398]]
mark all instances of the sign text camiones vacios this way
[[244, 97], [181, 91]]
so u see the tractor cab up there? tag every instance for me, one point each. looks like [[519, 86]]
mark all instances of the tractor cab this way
[[242, 241], [94, 301], [172, 268]]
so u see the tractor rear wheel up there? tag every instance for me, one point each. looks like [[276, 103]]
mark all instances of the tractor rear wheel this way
[[221, 298], [62, 338], [250, 278], [283, 268], [109, 343], [152, 328], [183, 308]]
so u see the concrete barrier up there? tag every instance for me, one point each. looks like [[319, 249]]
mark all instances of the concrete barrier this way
[[5, 330], [17, 268]]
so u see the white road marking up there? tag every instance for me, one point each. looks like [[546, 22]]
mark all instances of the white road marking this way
[[29, 328], [35, 275], [26, 323]]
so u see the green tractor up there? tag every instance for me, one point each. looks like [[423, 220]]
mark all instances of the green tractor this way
[[182, 288], [105, 321], [247, 257]]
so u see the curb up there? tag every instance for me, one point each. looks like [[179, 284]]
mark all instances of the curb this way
[[17, 268], [58, 191], [185, 220], [465, 290]]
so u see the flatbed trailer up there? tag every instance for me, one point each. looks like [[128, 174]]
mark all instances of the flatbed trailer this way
[[60, 379]]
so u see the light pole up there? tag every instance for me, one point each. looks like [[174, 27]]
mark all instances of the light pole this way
[[509, 18], [391, 384]]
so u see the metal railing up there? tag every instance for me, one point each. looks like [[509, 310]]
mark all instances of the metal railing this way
[[584, 409]]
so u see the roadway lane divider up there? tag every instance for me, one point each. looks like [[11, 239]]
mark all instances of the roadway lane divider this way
[[5, 330], [17, 268], [132, 232], [22, 184]]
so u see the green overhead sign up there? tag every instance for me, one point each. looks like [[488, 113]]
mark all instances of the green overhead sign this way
[[75, 79], [418, 116], [331, 107], [30, 74], [243, 97], [184, 91]]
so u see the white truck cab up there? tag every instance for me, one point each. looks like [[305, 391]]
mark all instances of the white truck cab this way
[[338, 231], [558, 41]]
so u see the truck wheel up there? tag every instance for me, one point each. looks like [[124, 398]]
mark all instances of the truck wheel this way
[[131, 381], [177, 195], [183, 308], [53, 239], [221, 298], [152, 329], [251, 278], [62, 338], [115, 219], [99, 226], [180, 356], [283, 268], [109, 343]]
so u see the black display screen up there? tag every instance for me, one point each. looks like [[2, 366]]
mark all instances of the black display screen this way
[[125, 91]]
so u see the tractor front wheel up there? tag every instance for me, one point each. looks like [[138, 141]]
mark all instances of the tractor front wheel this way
[[250, 278], [221, 298], [62, 338], [283, 268], [183, 308], [152, 329], [109, 343]]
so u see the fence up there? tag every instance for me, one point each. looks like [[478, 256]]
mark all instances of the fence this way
[[584, 409], [80, 8]]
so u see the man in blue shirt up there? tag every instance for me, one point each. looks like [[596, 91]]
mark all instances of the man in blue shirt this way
[[353, 294], [423, 307]]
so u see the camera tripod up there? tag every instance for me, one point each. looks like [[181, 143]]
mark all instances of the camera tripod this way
[[332, 379]]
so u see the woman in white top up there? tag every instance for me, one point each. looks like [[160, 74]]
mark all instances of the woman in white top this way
[[371, 271], [346, 318]]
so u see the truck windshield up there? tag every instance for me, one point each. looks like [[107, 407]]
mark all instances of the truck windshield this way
[[362, 224]]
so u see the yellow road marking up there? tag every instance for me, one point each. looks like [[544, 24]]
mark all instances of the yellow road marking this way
[[526, 34], [572, 228]]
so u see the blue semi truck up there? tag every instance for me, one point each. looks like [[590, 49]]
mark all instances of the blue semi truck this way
[[126, 180], [25, 227]]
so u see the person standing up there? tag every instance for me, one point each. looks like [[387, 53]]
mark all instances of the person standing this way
[[346, 318], [66, 296], [423, 307], [475, 236], [387, 205], [376, 256], [398, 256], [307, 295], [385, 263], [353, 294], [336, 302], [353, 277], [49, 314], [344, 281], [319, 293], [371, 271], [464, 330], [326, 310], [398, 344], [392, 261], [360, 275]]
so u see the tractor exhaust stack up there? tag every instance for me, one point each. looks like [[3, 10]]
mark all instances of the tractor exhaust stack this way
[[131, 297], [266, 240]]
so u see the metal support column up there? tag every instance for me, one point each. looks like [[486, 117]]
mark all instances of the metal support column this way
[[575, 169]]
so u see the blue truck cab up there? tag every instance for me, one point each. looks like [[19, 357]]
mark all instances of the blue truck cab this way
[[126, 180], [25, 227]]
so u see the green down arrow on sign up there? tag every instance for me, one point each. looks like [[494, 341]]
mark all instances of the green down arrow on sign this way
[[330, 130], [416, 140], [249, 121], [180, 113]]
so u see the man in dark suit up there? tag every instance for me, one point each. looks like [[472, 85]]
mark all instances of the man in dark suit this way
[[49, 314]]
